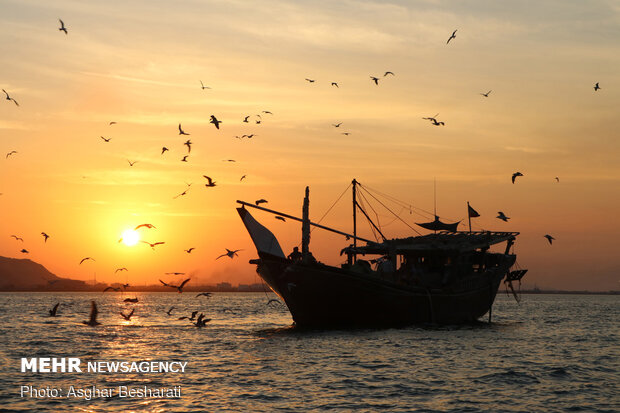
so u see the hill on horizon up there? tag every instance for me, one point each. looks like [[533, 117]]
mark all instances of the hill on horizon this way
[[24, 274]]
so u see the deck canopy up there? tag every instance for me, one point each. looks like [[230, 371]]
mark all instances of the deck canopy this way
[[443, 241]]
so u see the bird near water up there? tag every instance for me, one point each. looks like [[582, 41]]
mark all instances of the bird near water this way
[[229, 254], [128, 316], [92, 321], [178, 287], [53, 311]]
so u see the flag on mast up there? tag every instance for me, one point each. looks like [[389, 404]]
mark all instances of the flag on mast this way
[[472, 212]]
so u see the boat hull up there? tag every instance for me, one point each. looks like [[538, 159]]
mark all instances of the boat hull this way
[[321, 296]]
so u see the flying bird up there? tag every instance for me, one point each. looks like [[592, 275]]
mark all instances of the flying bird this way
[[229, 253], [93, 315], [169, 311], [10, 153], [178, 287], [557, 179], [228, 160], [174, 273], [336, 125], [514, 176], [280, 218], [120, 269], [17, 238], [215, 121], [242, 178], [112, 123], [388, 73], [452, 36], [112, 288], [203, 86], [127, 316], [45, 236], [189, 251], [310, 80], [184, 158], [132, 163], [261, 201], [250, 136], [145, 226], [153, 244], [181, 131], [210, 183], [201, 321], [62, 27], [127, 300], [375, 79], [246, 119], [189, 318], [54, 310], [346, 133], [14, 101], [25, 251], [596, 88], [164, 149], [188, 143], [549, 238], [205, 294], [87, 258], [335, 84], [106, 139], [502, 216], [267, 112], [486, 95]]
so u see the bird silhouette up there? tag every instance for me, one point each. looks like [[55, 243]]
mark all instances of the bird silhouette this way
[[261, 201], [106, 139], [120, 269], [45, 236], [246, 119], [596, 88], [189, 250], [62, 27], [184, 158], [215, 122], [452, 36], [85, 259], [388, 73], [229, 254], [336, 125], [17, 238], [54, 310], [549, 238], [208, 295], [175, 273], [112, 123], [93, 315], [178, 287], [25, 251], [375, 79], [242, 178], [201, 321], [193, 316], [203, 86], [10, 153], [280, 218], [127, 316], [112, 288], [132, 163], [514, 176], [310, 80], [154, 244], [188, 143], [345, 133], [267, 112], [14, 101], [250, 136], [170, 311], [557, 179], [164, 149], [210, 183], [144, 226], [181, 131], [335, 84], [502, 216], [486, 95]]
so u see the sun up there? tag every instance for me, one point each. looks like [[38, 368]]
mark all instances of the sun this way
[[130, 237]]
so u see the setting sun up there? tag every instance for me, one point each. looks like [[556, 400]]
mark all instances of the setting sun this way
[[130, 237]]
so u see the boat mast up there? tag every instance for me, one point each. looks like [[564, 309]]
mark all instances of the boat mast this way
[[353, 257], [305, 227]]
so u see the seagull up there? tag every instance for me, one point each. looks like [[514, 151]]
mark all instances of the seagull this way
[[181, 132], [258, 122], [189, 251], [17, 238], [120, 269], [273, 301], [549, 238], [242, 178], [486, 95], [112, 288], [201, 321], [388, 73], [438, 123], [346, 133], [249, 136], [336, 125], [335, 84], [164, 149], [229, 253], [131, 163], [280, 218], [203, 86], [502, 216], [14, 101], [25, 251], [596, 87], [228, 160], [45, 236], [127, 316], [267, 112], [188, 143], [106, 140], [189, 318], [178, 287], [112, 123], [125, 286], [215, 121], [211, 181], [87, 258], [10, 153], [557, 179], [375, 79], [261, 201], [153, 244], [62, 27], [514, 176], [205, 294], [184, 158], [310, 80], [246, 119], [93, 315], [54, 310], [169, 311], [452, 36], [144, 225]]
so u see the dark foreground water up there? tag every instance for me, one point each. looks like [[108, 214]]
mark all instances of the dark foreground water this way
[[551, 353]]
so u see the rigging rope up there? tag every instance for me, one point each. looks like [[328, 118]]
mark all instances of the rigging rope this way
[[331, 207], [384, 206]]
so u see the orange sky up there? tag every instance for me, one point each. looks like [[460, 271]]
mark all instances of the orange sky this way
[[140, 64]]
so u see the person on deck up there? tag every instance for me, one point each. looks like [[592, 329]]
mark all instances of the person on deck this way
[[295, 255]]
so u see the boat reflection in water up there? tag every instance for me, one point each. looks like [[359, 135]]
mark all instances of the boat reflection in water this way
[[446, 277]]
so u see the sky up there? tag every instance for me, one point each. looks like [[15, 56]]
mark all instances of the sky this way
[[140, 64]]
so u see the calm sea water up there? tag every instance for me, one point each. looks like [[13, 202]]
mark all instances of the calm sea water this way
[[551, 353]]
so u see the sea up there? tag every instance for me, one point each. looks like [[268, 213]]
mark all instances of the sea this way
[[548, 353]]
